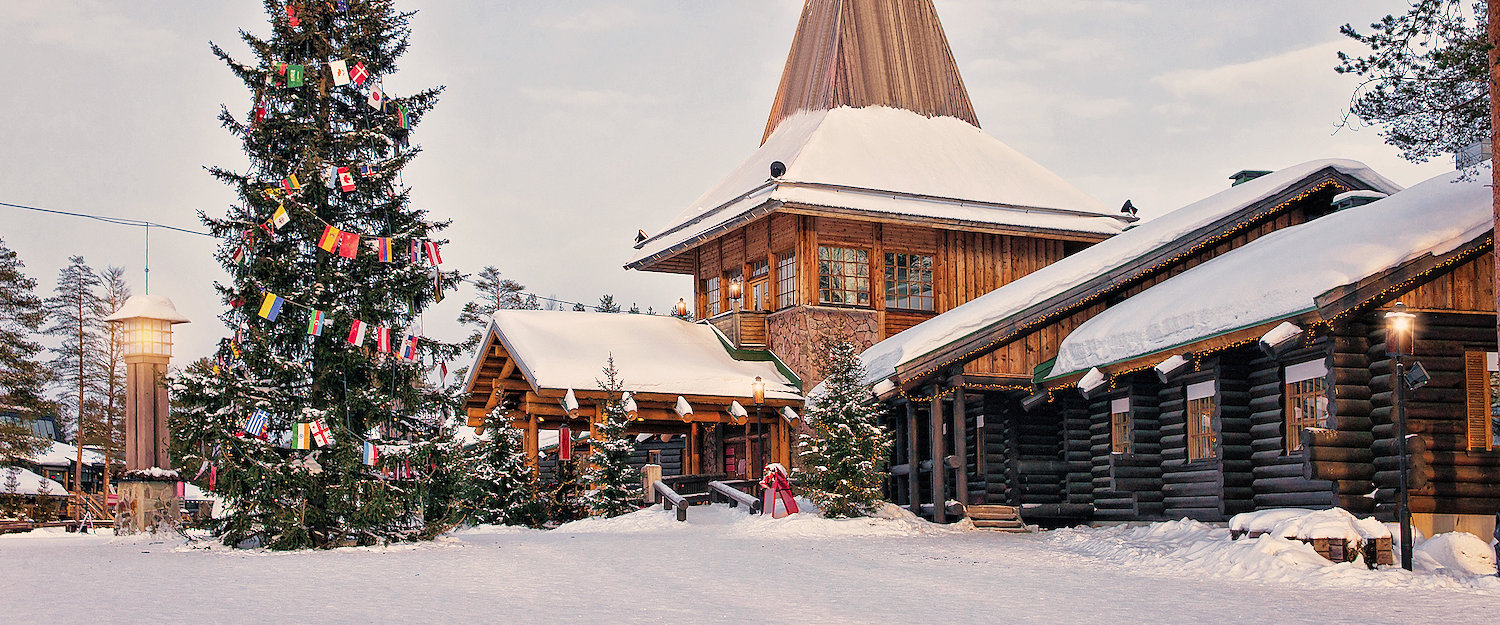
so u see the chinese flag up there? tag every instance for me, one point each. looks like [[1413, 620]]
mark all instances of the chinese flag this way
[[348, 244]]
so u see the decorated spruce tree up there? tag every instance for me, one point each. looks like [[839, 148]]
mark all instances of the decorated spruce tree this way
[[331, 266], [616, 485], [843, 459], [499, 486]]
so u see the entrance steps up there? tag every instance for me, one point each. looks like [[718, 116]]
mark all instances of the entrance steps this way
[[997, 518]]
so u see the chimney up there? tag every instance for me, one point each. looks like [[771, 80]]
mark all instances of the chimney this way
[[1351, 199], [1246, 175]]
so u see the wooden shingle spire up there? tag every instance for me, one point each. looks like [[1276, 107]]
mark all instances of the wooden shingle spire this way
[[862, 53]]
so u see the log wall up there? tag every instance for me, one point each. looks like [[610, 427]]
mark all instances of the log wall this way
[[1127, 486], [1277, 474]]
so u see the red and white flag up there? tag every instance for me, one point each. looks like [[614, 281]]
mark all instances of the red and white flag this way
[[358, 73], [321, 436], [383, 339], [357, 333], [434, 257], [377, 99], [346, 179]]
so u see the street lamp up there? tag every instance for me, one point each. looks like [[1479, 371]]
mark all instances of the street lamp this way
[[147, 497], [681, 307], [1398, 342], [758, 393]]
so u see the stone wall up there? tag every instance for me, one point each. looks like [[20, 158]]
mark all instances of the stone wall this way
[[797, 334]]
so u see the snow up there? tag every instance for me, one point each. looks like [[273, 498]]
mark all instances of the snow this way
[[1283, 332], [1278, 275], [149, 306], [888, 160], [1310, 524], [1459, 553], [28, 483], [154, 473], [1091, 380], [653, 353], [1047, 283], [726, 566], [1171, 365], [64, 455]]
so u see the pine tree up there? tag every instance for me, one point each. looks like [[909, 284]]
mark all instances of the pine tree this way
[[616, 485], [23, 378], [499, 486], [843, 461], [579, 307], [492, 293], [607, 304], [302, 124], [107, 429], [76, 313], [565, 497]]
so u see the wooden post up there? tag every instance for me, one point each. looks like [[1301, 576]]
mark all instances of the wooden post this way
[[939, 454], [690, 464], [960, 441], [532, 445], [913, 477], [650, 474]]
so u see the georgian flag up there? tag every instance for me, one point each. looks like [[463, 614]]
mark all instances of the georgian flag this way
[[321, 435], [340, 72], [357, 333]]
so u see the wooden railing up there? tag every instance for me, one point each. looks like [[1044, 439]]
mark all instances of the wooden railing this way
[[733, 495], [668, 498]]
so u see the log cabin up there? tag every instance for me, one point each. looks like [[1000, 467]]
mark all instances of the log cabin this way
[[874, 202], [542, 370], [1266, 377], [967, 375]]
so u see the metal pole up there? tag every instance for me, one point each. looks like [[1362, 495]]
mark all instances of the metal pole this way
[[1403, 508]]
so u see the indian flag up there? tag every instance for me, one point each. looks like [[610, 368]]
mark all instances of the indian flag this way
[[302, 436]]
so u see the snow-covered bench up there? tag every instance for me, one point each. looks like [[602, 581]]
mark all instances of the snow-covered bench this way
[[1334, 533]]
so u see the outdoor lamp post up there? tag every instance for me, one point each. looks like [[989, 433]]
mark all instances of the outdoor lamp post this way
[[736, 290], [1398, 342], [758, 393], [681, 307], [148, 496]]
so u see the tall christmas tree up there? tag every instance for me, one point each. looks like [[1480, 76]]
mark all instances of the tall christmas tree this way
[[331, 268], [616, 485], [843, 460]]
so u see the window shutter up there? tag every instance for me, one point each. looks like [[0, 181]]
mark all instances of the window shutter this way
[[1477, 390]]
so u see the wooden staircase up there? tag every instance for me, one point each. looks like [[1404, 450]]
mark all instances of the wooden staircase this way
[[997, 518]]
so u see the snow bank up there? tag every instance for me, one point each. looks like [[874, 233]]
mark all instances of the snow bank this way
[[64, 455], [721, 520], [1261, 521], [1459, 553], [1279, 275], [28, 483], [1175, 547]]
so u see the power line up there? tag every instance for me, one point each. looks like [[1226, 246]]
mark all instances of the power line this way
[[118, 221]]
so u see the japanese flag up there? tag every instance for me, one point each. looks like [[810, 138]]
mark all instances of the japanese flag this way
[[340, 72], [377, 99]]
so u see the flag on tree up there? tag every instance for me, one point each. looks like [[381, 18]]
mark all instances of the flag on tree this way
[[302, 436], [255, 424], [280, 218], [348, 244], [358, 73], [294, 72], [315, 323], [330, 239], [340, 72], [370, 454], [383, 339], [321, 435], [357, 333], [434, 257], [270, 307], [346, 179]]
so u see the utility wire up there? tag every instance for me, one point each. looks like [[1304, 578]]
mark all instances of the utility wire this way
[[119, 221]]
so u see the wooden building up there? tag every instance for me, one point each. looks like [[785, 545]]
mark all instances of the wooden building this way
[[874, 202], [542, 368], [1263, 379], [1012, 446]]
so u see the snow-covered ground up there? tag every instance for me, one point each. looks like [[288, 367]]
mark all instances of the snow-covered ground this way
[[724, 566]]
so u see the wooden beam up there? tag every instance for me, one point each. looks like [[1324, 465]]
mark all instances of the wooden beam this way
[[913, 478], [960, 443], [939, 450]]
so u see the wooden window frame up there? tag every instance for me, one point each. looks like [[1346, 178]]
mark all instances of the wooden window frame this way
[[786, 280], [830, 283], [894, 281], [1481, 423], [1121, 427], [713, 300], [758, 274], [1200, 436], [1304, 391]]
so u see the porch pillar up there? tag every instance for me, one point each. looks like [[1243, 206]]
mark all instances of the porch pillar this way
[[532, 444], [960, 441], [939, 457], [914, 475]]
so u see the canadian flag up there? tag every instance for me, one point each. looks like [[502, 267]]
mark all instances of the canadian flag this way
[[346, 179]]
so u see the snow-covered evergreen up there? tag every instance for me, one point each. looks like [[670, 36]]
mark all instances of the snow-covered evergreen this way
[[843, 460], [498, 486], [616, 485]]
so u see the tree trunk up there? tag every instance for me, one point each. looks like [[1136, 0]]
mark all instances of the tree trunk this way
[[1494, 55]]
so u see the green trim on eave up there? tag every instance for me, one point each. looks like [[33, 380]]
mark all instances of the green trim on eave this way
[[754, 355], [1039, 373]]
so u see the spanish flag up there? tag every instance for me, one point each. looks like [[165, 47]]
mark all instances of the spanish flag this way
[[271, 306], [330, 239]]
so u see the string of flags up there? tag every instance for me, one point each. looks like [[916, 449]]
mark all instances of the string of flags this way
[[406, 349]]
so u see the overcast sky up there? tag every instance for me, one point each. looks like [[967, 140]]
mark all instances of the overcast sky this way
[[568, 125]]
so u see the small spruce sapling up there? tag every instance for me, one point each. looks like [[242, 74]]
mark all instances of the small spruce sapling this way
[[843, 460], [616, 485]]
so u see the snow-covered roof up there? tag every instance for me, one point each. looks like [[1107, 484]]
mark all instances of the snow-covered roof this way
[[149, 306], [888, 160], [653, 354], [882, 359], [28, 483], [1280, 275], [64, 454]]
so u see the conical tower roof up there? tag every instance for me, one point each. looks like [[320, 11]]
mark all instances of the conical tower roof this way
[[861, 53]]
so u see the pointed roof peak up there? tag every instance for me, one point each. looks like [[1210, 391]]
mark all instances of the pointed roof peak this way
[[861, 53]]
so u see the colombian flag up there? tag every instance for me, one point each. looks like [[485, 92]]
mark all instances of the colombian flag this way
[[330, 239], [271, 306]]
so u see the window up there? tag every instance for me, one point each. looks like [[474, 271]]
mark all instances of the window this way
[[1306, 400], [1201, 442], [786, 279], [759, 297], [843, 276], [908, 281], [1121, 427], [711, 294], [1482, 414]]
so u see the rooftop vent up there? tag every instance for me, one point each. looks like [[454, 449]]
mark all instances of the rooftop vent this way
[[1351, 199], [778, 169], [1246, 175]]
